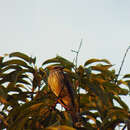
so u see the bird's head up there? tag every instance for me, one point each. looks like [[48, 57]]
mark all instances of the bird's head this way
[[55, 67]]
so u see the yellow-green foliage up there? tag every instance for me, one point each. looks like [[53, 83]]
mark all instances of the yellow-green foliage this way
[[26, 100]]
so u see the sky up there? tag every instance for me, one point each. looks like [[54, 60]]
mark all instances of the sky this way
[[46, 28]]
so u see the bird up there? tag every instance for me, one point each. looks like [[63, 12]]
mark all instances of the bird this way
[[61, 86]]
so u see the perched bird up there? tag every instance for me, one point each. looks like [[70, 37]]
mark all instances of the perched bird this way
[[62, 88]]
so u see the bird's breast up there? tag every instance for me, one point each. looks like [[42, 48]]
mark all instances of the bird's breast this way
[[55, 82]]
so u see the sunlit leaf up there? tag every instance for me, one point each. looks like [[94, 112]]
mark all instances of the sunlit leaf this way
[[101, 67], [22, 56], [16, 62], [96, 60], [35, 106], [3, 100], [23, 81], [25, 96], [114, 116], [22, 86], [60, 128], [60, 60], [119, 100], [10, 67]]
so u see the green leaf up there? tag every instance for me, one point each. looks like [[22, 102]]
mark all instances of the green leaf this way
[[22, 86], [58, 59], [10, 67], [9, 77], [126, 76], [23, 56], [16, 62], [124, 106], [1, 59], [53, 60], [114, 116], [101, 67], [23, 81], [96, 60], [114, 89]]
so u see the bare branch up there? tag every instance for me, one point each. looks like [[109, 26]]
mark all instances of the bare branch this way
[[77, 53], [122, 63]]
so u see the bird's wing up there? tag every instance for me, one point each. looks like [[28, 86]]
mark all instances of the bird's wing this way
[[69, 88]]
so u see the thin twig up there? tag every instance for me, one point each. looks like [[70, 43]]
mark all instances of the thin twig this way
[[122, 64], [77, 53], [76, 62]]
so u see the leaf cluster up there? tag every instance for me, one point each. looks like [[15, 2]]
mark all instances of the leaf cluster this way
[[26, 100]]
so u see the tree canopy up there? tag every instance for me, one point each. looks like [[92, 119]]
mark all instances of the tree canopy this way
[[25, 98]]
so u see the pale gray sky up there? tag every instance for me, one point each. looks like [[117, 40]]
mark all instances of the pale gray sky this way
[[44, 28]]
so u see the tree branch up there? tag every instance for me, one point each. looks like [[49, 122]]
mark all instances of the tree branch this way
[[77, 53], [122, 63]]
